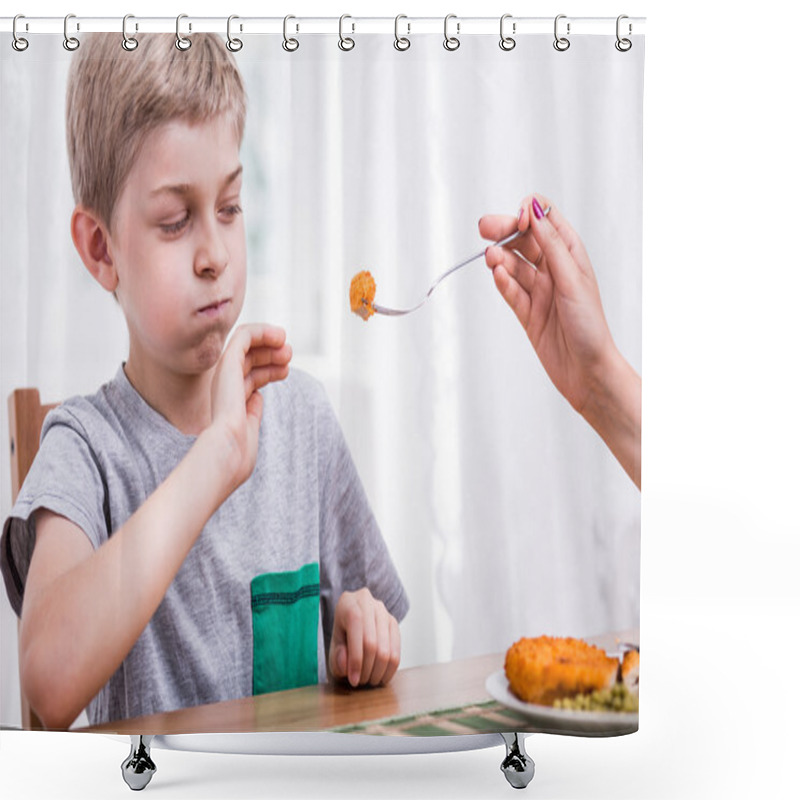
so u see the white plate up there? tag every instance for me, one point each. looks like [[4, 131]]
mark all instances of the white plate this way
[[559, 720]]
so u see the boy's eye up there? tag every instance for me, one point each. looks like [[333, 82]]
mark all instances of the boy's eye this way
[[231, 211], [175, 227]]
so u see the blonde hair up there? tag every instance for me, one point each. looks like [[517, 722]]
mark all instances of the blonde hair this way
[[115, 98]]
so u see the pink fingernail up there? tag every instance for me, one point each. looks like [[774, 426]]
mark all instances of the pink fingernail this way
[[537, 209], [521, 214]]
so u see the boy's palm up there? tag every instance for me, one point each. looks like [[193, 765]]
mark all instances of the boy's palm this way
[[255, 356]]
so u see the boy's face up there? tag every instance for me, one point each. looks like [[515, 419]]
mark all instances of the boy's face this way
[[178, 245]]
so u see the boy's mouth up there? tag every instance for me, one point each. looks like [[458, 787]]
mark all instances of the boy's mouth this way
[[213, 309]]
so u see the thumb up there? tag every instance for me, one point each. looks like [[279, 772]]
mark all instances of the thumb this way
[[337, 653], [254, 407], [340, 661]]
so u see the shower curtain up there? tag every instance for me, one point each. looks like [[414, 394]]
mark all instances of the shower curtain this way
[[504, 512]]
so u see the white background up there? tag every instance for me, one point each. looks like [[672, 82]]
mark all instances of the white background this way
[[720, 533], [347, 154]]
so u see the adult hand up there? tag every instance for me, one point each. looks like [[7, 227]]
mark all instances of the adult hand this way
[[557, 301], [365, 644], [547, 279]]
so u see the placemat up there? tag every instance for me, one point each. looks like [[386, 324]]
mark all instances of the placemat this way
[[488, 717]]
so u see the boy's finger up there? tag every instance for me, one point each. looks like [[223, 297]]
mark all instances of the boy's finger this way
[[374, 676], [259, 377], [355, 648], [254, 335], [369, 646], [254, 406], [337, 655], [394, 659], [267, 356], [386, 662], [340, 662], [247, 338], [262, 334]]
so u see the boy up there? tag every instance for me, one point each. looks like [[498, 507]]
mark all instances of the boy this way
[[196, 530]]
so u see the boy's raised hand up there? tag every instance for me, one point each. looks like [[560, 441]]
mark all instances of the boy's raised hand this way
[[365, 644], [254, 356]]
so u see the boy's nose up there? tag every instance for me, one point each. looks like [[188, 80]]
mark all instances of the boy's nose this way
[[211, 257]]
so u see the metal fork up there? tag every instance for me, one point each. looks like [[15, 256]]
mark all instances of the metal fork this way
[[398, 312]]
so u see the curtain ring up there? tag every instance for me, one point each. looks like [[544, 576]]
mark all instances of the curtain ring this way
[[346, 42], [70, 42], [234, 45], [451, 42], [289, 45], [181, 42], [401, 42], [561, 43], [18, 42], [623, 45], [129, 43], [507, 42]]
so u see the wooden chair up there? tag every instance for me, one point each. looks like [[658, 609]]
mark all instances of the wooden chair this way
[[25, 417]]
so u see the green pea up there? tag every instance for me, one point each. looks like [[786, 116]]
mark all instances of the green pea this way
[[615, 698]]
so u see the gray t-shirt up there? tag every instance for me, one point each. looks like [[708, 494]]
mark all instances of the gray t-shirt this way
[[101, 457]]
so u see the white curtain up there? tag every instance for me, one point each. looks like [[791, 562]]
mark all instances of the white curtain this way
[[504, 512]]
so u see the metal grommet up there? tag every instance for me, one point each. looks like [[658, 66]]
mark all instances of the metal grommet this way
[[70, 42], [18, 42], [234, 45], [561, 43], [623, 45], [401, 42], [451, 42], [181, 42], [507, 42], [129, 43], [346, 42], [289, 44]]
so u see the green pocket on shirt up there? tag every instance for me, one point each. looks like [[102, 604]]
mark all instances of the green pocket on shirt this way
[[285, 609]]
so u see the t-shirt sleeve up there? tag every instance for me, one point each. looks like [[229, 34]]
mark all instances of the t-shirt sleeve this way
[[64, 478], [352, 549]]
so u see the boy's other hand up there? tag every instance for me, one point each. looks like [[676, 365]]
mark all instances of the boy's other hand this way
[[255, 356], [365, 645]]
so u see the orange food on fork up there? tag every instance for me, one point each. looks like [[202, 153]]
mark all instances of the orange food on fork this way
[[362, 294]]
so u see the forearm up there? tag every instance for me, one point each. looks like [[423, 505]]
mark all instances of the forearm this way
[[615, 412], [77, 630]]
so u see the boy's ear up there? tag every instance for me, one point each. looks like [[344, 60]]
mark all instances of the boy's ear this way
[[91, 240]]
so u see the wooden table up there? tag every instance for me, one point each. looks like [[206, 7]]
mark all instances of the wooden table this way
[[322, 707]]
